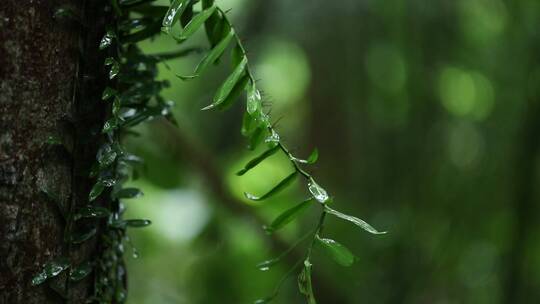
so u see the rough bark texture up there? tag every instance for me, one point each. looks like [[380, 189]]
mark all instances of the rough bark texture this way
[[46, 89]]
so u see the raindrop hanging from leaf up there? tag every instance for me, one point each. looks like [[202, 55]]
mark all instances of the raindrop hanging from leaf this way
[[318, 192]]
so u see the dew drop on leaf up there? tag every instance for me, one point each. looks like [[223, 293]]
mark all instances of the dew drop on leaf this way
[[318, 192]]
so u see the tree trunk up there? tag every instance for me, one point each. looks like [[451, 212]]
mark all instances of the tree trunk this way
[[50, 83]]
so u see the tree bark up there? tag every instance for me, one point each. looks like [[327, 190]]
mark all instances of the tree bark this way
[[50, 83]]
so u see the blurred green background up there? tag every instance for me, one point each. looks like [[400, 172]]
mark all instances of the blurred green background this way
[[427, 119]]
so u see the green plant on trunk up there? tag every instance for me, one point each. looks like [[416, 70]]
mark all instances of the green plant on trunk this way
[[133, 96]]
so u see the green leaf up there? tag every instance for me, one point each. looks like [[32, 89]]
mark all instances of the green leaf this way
[[106, 156], [313, 157], [253, 99], [235, 93], [338, 252], [138, 223], [107, 39], [135, 223], [264, 266], [97, 189], [173, 13], [227, 87], [257, 137], [83, 237], [282, 185], [154, 11], [50, 270], [214, 53], [358, 222], [110, 125], [288, 216], [91, 212], [108, 93], [196, 23], [257, 160], [115, 67], [81, 271], [128, 193]]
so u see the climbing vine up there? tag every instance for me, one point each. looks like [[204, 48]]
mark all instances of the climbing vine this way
[[133, 96]]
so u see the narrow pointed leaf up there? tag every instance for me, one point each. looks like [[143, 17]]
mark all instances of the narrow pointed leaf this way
[[173, 13], [91, 212], [226, 88], [196, 23], [108, 93], [128, 193], [235, 93], [50, 270], [282, 185], [288, 216], [313, 157], [79, 238], [81, 271], [257, 160], [253, 99], [265, 265], [97, 189], [338, 252], [214, 53], [107, 39], [358, 222]]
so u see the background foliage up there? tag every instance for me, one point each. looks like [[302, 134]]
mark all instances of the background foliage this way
[[425, 114]]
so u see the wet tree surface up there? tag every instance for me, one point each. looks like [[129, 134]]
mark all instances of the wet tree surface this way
[[47, 91]]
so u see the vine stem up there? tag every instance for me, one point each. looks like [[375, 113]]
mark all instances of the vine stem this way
[[293, 160]]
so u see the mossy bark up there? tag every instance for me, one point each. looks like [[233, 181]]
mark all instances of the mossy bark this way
[[50, 84]]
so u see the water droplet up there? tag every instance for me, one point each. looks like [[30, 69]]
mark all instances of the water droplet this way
[[273, 138], [318, 192]]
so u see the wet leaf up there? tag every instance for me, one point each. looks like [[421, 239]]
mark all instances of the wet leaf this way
[[288, 216], [282, 185], [358, 222], [106, 156], [91, 212], [97, 189], [266, 265], [50, 270], [196, 23], [257, 138], [227, 87], [338, 252], [110, 125], [115, 67], [108, 93], [83, 237], [138, 223], [107, 39], [257, 160], [128, 193], [135, 223], [174, 13], [81, 271], [253, 99]]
